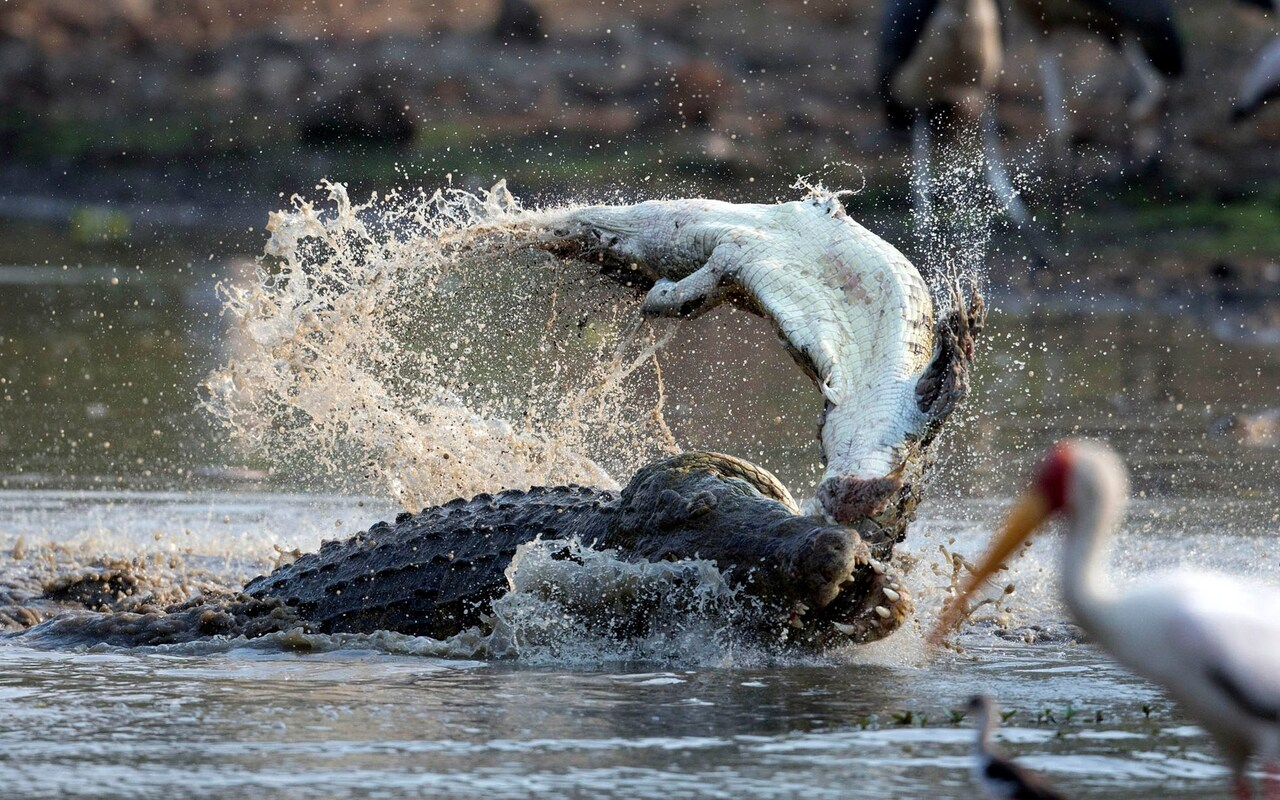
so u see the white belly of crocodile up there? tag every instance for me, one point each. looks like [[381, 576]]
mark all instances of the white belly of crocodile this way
[[864, 316]]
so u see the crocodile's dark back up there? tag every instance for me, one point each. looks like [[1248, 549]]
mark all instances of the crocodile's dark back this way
[[432, 573]]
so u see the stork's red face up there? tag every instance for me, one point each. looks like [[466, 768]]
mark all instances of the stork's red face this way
[[1050, 492], [1053, 475]]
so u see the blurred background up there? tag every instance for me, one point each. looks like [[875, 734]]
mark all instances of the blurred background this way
[[143, 142], [125, 116]]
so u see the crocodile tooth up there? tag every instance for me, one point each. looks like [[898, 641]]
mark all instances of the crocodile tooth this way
[[892, 595], [877, 566], [847, 630], [883, 612]]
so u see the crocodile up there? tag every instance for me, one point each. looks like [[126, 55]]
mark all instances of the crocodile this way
[[823, 582], [852, 311], [816, 583]]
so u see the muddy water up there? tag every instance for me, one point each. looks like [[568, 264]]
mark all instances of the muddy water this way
[[104, 453]]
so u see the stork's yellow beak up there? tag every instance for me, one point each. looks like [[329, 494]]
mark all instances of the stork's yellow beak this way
[[1026, 516]]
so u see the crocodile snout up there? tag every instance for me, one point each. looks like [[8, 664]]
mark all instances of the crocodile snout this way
[[848, 498], [826, 561]]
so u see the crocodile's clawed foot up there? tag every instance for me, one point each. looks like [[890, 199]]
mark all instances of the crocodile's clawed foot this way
[[871, 605]]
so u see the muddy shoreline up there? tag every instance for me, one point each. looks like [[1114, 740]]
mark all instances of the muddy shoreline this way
[[137, 121], [699, 94]]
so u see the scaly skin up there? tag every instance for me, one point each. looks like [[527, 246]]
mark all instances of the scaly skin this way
[[849, 307], [815, 584], [436, 573]]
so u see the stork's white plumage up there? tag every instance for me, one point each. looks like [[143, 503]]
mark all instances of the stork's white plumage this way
[[1211, 640]]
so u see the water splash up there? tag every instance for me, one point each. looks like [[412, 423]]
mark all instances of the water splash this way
[[574, 604], [952, 219], [956, 208], [419, 345]]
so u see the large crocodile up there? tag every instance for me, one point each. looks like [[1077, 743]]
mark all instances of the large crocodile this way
[[818, 581], [811, 582], [851, 310]]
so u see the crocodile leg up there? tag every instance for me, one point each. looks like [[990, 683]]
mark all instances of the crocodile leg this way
[[691, 295]]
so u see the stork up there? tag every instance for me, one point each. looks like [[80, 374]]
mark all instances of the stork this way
[[946, 55], [1146, 33], [1212, 641]]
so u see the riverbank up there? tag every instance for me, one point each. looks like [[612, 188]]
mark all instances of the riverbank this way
[[688, 98], [124, 121]]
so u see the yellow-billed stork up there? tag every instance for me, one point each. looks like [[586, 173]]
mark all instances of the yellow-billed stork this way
[[1211, 640]]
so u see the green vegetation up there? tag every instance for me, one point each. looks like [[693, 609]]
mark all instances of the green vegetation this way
[[1196, 225]]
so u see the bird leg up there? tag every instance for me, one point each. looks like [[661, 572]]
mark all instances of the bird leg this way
[[1147, 108], [1271, 781], [1242, 789], [1055, 107], [920, 179], [998, 178], [997, 175], [1151, 86]]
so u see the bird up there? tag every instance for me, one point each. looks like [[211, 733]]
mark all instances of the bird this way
[[518, 21], [994, 772], [1145, 31], [1261, 83], [1212, 641], [1251, 428], [940, 56]]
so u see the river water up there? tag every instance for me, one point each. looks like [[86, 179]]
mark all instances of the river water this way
[[106, 452]]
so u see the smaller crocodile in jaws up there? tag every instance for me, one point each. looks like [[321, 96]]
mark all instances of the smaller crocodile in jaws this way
[[850, 308]]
